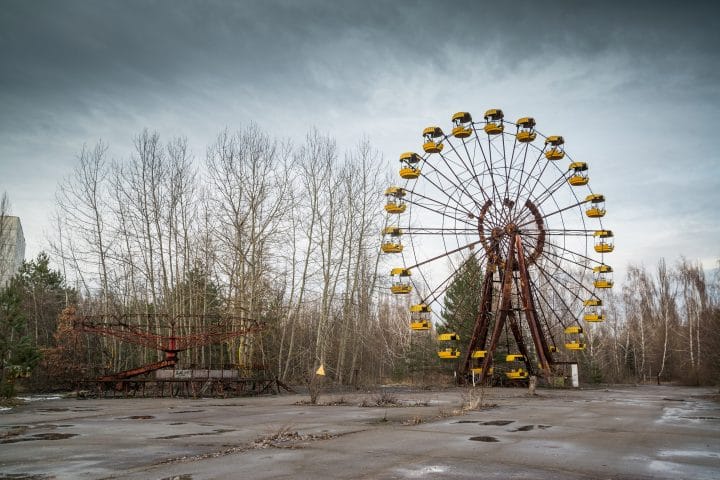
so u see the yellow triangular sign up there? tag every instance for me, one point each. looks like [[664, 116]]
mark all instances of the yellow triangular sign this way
[[320, 371]]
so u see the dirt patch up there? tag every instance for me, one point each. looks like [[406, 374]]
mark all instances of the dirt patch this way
[[484, 439], [200, 434], [14, 431], [282, 439]]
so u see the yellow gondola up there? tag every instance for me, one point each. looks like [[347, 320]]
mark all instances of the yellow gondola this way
[[420, 325], [593, 302], [449, 353], [393, 245], [517, 374], [526, 130], [593, 312], [420, 317], [594, 317], [478, 354], [400, 287], [431, 136], [573, 329], [556, 151], [575, 345], [579, 176], [603, 276], [552, 348], [448, 337], [604, 241], [408, 169], [463, 125], [597, 205], [394, 200], [515, 357], [494, 121]]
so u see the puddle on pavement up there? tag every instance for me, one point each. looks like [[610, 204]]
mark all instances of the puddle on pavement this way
[[40, 436], [186, 435], [524, 428], [137, 417], [185, 476], [484, 439], [50, 410], [688, 453], [178, 423], [22, 476], [527, 428], [188, 411], [499, 423], [467, 421]]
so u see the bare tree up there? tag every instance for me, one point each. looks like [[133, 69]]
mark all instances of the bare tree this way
[[81, 200]]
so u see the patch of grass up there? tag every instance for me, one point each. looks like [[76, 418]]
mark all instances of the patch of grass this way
[[384, 399]]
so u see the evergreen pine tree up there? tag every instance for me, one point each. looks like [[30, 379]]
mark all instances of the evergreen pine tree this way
[[18, 356], [462, 300]]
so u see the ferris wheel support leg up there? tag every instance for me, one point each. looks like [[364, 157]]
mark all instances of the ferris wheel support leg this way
[[505, 305], [543, 352], [480, 331]]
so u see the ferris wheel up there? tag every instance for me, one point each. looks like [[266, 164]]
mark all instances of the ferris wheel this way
[[503, 195]]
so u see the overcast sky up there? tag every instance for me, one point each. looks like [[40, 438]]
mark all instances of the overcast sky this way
[[634, 87]]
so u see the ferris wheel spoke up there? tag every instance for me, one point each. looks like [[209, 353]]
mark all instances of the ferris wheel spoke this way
[[566, 259], [530, 174], [440, 290], [488, 164], [441, 213], [443, 255], [441, 231], [551, 308], [460, 185], [542, 313], [553, 282], [561, 232], [552, 189], [550, 259], [465, 166], [573, 252], [442, 190], [554, 213], [475, 175]]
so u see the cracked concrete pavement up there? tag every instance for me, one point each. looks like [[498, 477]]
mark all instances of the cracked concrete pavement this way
[[616, 432]]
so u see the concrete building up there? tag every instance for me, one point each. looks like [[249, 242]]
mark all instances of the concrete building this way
[[12, 247]]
